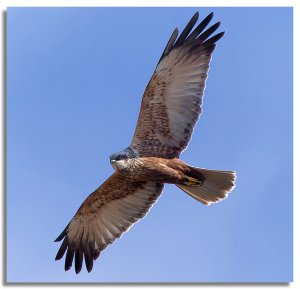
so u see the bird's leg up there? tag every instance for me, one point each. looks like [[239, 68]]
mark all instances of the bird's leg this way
[[192, 177], [190, 181]]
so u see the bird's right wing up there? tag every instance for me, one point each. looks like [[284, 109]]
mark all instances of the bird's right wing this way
[[172, 101], [103, 217]]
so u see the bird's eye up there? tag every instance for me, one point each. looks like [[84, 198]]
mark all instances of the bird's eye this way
[[118, 158]]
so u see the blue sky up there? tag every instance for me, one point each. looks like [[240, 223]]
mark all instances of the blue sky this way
[[75, 78]]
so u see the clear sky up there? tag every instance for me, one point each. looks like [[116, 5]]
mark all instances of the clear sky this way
[[75, 78]]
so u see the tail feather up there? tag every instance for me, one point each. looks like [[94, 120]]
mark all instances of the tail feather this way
[[215, 187]]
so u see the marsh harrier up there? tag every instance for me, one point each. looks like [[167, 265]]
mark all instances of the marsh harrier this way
[[170, 108]]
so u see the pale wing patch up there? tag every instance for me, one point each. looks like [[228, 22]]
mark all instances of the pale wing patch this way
[[183, 97], [90, 233]]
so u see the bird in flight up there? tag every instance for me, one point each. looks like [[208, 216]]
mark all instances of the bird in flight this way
[[170, 108]]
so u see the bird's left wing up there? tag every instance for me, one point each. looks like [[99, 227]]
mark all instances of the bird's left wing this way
[[172, 100], [103, 217]]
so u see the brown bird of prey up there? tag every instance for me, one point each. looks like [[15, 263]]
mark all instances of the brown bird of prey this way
[[170, 108]]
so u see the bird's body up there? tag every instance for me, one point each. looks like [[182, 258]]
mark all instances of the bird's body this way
[[170, 108], [169, 171]]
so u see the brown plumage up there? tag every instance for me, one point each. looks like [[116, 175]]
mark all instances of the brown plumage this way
[[170, 108]]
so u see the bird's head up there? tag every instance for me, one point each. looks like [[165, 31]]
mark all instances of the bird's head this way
[[119, 160]]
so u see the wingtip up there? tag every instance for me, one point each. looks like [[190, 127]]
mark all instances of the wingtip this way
[[96, 254], [67, 268], [77, 270], [209, 17], [89, 266], [217, 25], [196, 15], [62, 234]]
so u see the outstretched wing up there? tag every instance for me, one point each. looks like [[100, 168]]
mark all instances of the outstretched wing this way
[[103, 217], [171, 104]]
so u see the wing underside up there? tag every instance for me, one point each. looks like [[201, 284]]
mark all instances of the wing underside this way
[[172, 101], [103, 217]]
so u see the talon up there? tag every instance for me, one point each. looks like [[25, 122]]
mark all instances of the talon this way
[[189, 181]]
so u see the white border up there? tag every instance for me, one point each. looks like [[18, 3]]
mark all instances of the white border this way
[[195, 3], [258, 3]]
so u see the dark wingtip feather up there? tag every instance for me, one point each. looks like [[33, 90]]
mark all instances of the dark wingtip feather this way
[[77, 270], [78, 260], [96, 254], [213, 39], [89, 269], [211, 48], [88, 262], [195, 17], [194, 37], [187, 29], [69, 257], [209, 16], [62, 234], [88, 258], [201, 26], [209, 31], [60, 237], [169, 44], [62, 249]]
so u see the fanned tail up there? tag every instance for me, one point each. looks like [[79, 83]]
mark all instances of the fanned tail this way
[[215, 187]]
